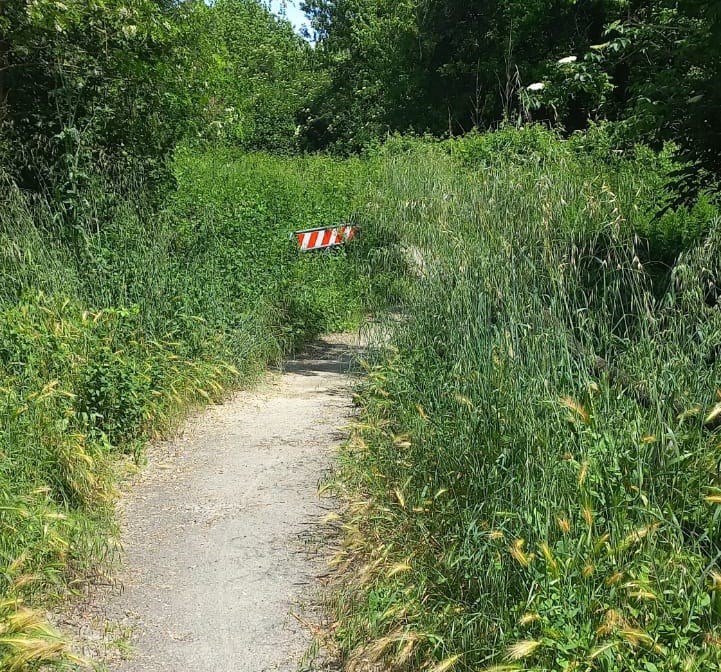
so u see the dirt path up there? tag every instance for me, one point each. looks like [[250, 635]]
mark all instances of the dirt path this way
[[218, 532]]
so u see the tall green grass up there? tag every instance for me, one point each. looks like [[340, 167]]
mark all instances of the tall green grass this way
[[533, 481], [116, 318]]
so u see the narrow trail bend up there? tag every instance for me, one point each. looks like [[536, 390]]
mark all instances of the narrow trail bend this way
[[217, 555]]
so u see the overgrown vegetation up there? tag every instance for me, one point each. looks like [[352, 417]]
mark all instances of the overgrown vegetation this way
[[532, 483], [453, 66], [107, 337]]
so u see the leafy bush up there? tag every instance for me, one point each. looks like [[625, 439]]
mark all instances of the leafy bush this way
[[108, 334], [92, 92], [529, 144]]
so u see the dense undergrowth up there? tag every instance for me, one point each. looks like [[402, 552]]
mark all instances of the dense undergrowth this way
[[115, 319], [533, 481]]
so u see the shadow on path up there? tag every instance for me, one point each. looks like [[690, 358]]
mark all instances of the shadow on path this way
[[326, 356]]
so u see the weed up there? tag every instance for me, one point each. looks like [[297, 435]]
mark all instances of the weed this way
[[557, 391]]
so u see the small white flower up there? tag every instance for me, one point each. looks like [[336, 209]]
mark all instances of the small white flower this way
[[536, 86], [567, 60]]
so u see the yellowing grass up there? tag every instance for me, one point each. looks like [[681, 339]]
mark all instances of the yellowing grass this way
[[546, 350]]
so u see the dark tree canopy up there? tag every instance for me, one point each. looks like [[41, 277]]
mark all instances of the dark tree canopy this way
[[89, 87], [449, 66], [105, 90]]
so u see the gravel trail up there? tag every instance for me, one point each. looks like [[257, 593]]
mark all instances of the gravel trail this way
[[219, 532]]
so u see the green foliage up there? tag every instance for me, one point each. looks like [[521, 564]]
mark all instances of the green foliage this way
[[109, 334], [667, 56], [260, 78], [653, 71], [452, 66], [531, 144], [532, 481], [90, 89], [321, 295], [374, 77], [449, 67], [96, 96], [571, 87]]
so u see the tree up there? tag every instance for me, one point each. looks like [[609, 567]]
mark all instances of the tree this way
[[372, 51], [91, 88], [440, 66], [670, 57], [266, 74]]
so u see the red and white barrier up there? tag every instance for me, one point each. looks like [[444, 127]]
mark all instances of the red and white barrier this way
[[325, 237]]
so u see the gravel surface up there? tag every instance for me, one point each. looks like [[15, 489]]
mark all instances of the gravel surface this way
[[221, 548]]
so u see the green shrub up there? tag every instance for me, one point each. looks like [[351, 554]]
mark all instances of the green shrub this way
[[109, 333], [529, 144]]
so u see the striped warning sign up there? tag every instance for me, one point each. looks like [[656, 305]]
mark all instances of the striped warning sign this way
[[325, 237]]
